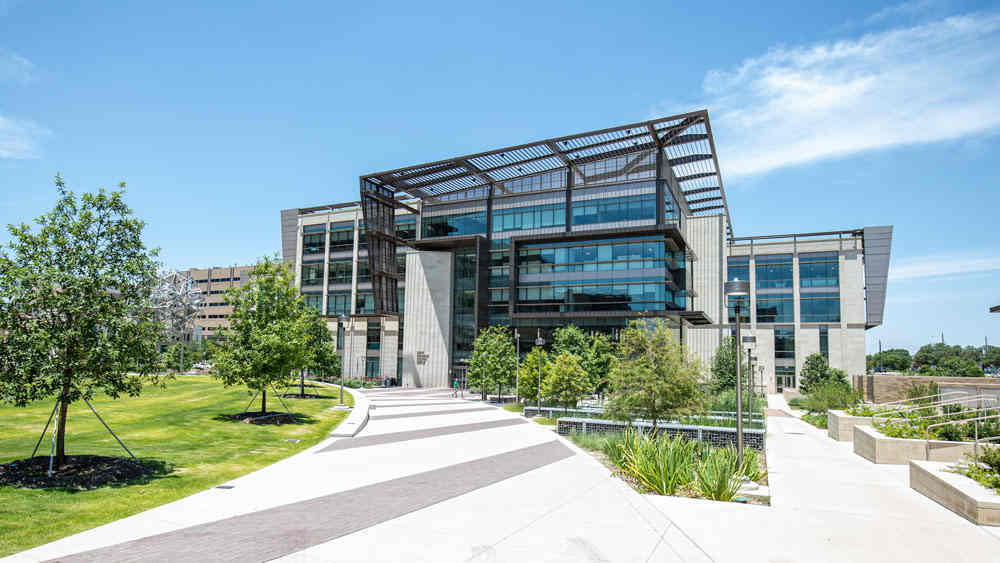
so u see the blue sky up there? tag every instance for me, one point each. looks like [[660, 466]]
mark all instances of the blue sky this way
[[827, 115]]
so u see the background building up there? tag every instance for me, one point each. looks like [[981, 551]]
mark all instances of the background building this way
[[593, 229], [213, 283]]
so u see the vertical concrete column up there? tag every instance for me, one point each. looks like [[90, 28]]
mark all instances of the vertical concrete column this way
[[389, 348], [298, 256], [356, 347], [752, 298], [428, 334], [354, 268], [326, 267]]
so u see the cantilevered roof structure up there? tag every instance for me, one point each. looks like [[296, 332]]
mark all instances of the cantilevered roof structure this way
[[681, 145], [685, 139]]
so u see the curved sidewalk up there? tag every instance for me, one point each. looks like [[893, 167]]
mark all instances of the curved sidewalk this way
[[429, 478]]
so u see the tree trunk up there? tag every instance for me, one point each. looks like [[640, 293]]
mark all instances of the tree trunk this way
[[302, 384], [61, 424], [263, 402]]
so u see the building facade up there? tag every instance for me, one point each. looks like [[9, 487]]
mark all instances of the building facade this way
[[213, 283], [595, 230]]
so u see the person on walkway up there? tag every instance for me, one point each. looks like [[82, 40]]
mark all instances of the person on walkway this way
[[454, 389]]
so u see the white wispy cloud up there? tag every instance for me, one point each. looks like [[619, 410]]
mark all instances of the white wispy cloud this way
[[931, 82], [15, 68], [942, 265], [20, 138], [903, 9]]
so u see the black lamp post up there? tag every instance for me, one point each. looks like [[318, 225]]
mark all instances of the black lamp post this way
[[750, 341], [539, 341], [738, 288], [343, 365]]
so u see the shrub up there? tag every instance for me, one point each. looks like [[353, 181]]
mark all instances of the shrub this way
[[817, 420], [797, 402], [831, 395], [662, 465], [717, 474], [752, 466]]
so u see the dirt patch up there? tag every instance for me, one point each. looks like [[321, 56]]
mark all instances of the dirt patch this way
[[268, 418], [305, 396], [79, 472]]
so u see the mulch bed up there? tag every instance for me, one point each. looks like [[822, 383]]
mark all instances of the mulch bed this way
[[78, 472], [269, 418], [306, 396]]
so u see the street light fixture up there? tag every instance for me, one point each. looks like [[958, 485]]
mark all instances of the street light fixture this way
[[749, 341], [344, 365], [738, 288], [517, 367], [539, 342]]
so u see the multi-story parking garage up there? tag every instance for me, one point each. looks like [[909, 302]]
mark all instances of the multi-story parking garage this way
[[592, 229]]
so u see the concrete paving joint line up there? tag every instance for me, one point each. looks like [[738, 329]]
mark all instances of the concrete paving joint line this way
[[430, 413], [379, 439]]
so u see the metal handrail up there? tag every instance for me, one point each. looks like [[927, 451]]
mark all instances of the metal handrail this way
[[919, 398], [939, 415], [975, 444], [978, 398]]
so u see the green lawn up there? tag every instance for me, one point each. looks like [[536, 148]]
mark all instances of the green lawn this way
[[180, 425]]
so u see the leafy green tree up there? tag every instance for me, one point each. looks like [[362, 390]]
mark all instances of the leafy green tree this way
[[75, 311], [528, 383], [493, 361], [934, 354], [991, 357], [597, 362], [268, 338], [894, 359], [321, 353], [566, 381], [959, 367], [654, 375], [572, 340], [816, 372], [173, 356], [724, 365]]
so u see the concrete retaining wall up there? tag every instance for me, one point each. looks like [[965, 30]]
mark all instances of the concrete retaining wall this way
[[957, 493], [879, 448], [840, 425], [886, 388], [715, 435]]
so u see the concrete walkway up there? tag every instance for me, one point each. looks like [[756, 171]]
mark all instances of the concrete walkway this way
[[430, 478], [829, 504]]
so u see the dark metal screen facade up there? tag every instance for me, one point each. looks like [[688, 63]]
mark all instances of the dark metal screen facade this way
[[378, 206]]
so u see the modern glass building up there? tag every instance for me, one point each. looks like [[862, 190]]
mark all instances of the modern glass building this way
[[593, 229]]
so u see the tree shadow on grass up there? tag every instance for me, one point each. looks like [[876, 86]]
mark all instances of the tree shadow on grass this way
[[271, 418], [84, 472]]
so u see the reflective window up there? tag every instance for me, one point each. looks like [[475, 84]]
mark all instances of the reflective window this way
[[819, 269], [627, 208], [406, 227], [546, 181], [738, 267], [820, 307], [341, 271], [313, 300], [372, 372], [365, 303], [784, 342], [774, 271], [342, 238], [374, 335], [364, 273], [776, 308], [338, 303], [534, 217], [824, 342], [453, 225], [744, 302], [312, 274], [464, 316], [311, 244], [785, 376]]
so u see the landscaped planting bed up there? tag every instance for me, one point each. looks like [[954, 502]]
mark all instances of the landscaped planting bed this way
[[675, 465], [753, 438], [876, 447], [952, 487]]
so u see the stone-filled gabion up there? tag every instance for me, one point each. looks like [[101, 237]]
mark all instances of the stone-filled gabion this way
[[714, 435]]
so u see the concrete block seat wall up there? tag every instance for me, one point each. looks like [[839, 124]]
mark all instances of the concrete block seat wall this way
[[840, 425], [956, 492], [876, 447]]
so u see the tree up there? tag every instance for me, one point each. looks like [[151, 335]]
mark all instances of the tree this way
[[528, 383], [493, 360], [324, 362], [991, 357], [572, 340], [654, 375], [597, 363], [268, 337], [959, 367], [724, 365], [934, 354], [816, 371], [75, 310], [565, 382]]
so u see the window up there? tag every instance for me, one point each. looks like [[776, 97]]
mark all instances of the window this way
[[774, 271], [365, 303], [534, 217], [824, 342], [784, 376], [819, 269], [628, 208], [401, 265], [453, 225], [342, 238], [338, 303], [311, 244], [341, 271], [313, 301], [340, 336], [364, 273], [406, 227], [784, 342], [372, 369], [738, 267], [312, 274], [374, 335], [775, 308], [820, 307], [545, 181], [744, 302]]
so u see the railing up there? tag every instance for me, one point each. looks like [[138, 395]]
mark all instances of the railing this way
[[978, 398], [934, 396], [730, 416], [975, 444]]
